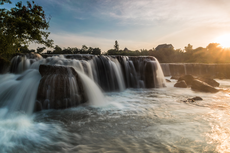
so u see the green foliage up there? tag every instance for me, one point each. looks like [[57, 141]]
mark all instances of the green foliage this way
[[22, 25], [75, 50], [213, 53], [57, 50], [40, 49]]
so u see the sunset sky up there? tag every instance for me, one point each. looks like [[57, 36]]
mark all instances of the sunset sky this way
[[136, 24]]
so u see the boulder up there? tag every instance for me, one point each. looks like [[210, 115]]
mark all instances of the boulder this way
[[198, 85], [60, 87], [181, 84], [187, 78], [197, 98], [210, 81]]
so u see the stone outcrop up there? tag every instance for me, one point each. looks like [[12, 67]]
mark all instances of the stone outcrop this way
[[4, 65], [60, 87], [181, 84], [204, 84], [187, 78], [209, 81], [150, 75], [198, 85]]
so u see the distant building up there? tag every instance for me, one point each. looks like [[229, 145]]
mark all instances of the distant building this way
[[164, 46]]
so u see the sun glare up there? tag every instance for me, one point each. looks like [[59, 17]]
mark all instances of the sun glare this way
[[224, 40]]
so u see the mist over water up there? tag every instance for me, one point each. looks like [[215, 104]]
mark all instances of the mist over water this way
[[134, 120]]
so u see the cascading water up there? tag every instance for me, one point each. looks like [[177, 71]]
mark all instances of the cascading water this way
[[197, 69], [18, 92], [146, 120], [60, 90]]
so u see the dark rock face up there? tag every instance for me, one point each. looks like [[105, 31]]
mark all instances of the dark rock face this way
[[4, 65], [181, 84], [60, 87], [150, 75], [187, 78], [198, 85]]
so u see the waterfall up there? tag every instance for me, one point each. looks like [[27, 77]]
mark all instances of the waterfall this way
[[18, 92], [69, 80]]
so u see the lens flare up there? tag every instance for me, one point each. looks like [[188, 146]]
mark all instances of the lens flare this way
[[224, 40]]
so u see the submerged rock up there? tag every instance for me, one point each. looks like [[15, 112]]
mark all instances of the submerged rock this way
[[60, 87], [181, 84], [197, 98], [191, 100], [198, 85]]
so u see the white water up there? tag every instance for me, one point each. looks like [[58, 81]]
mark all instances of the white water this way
[[94, 93], [18, 92], [146, 120], [160, 75], [136, 120]]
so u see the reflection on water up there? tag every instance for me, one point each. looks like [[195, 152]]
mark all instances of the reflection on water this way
[[148, 120]]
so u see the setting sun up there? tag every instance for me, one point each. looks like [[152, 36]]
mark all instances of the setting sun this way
[[224, 40]]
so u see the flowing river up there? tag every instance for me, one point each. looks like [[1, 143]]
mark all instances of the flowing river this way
[[135, 120]]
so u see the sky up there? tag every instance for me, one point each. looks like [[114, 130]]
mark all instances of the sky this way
[[135, 24]]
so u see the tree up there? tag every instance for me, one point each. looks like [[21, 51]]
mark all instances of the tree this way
[[116, 46], [57, 50], [22, 25], [188, 48], [96, 51], [84, 49], [40, 49]]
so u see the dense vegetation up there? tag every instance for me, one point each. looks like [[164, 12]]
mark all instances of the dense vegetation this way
[[213, 53], [21, 25]]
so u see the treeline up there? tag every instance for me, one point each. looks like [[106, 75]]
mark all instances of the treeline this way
[[213, 53], [59, 50]]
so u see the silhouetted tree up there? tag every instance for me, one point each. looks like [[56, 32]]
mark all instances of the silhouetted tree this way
[[57, 50], [40, 49], [116, 46]]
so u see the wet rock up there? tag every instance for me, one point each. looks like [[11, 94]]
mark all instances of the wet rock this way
[[190, 100], [210, 81], [197, 98], [187, 78], [150, 75], [37, 106], [4, 65], [59, 86], [181, 84], [198, 85]]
